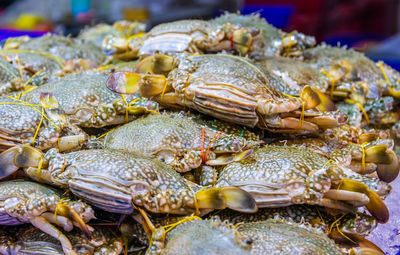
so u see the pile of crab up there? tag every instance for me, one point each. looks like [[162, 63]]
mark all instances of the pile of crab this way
[[226, 136]]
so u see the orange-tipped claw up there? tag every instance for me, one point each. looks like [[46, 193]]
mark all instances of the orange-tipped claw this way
[[66, 211], [376, 206]]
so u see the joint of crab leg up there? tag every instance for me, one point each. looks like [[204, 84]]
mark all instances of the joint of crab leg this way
[[67, 211], [158, 64], [376, 206], [70, 142], [389, 172], [226, 197], [309, 97], [355, 198], [49, 229], [62, 221], [351, 239], [227, 159], [130, 83], [378, 154]]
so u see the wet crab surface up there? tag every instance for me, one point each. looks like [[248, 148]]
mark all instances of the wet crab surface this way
[[226, 136]]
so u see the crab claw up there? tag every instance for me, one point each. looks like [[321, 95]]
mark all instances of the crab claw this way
[[227, 159], [131, 83], [389, 172], [158, 64], [67, 211], [19, 156], [375, 206], [309, 97], [351, 239], [326, 104], [7, 165], [226, 197], [378, 154], [27, 156]]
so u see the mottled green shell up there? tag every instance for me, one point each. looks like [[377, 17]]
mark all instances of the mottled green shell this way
[[16, 118], [296, 74], [279, 237], [65, 47], [24, 190], [102, 242], [112, 180], [203, 237]]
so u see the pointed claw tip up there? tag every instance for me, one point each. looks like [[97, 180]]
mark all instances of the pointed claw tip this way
[[377, 207], [239, 200], [389, 172], [7, 165]]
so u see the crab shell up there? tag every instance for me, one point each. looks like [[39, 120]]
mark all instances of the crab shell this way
[[282, 175], [245, 96], [359, 223], [177, 140], [377, 153], [295, 74], [10, 79], [84, 99], [28, 202], [117, 181], [66, 48], [355, 76], [267, 40], [20, 121], [281, 237], [210, 236], [191, 36], [32, 240], [122, 28]]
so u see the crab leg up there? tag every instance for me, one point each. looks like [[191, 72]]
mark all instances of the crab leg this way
[[62, 221], [42, 224], [356, 198]]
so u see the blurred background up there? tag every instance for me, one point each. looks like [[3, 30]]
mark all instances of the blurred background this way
[[371, 26]]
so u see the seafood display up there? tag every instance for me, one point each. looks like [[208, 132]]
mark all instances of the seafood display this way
[[226, 136]]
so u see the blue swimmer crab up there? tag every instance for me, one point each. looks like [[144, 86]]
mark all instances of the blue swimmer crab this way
[[85, 100], [191, 36], [121, 28], [266, 39], [180, 142], [28, 202], [117, 181], [206, 83], [65, 48], [34, 241], [363, 151], [279, 176]]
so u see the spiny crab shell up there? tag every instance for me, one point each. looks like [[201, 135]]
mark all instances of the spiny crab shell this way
[[84, 99], [227, 87], [279, 176], [200, 237], [179, 141], [21, 122], [363, 151], [266, 39], [191, 36], [117, 181], [277, 236]]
